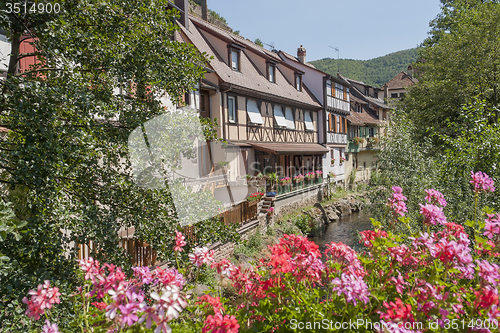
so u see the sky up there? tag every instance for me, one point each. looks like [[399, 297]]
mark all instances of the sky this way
[[360, 29]]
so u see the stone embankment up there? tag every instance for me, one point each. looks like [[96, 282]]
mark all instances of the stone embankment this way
[[329, 212]]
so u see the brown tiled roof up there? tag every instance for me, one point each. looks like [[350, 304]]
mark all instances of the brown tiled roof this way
[[354, 120], [290, 148], [249, 77], [291, 57], [400, 81], [358, 100]]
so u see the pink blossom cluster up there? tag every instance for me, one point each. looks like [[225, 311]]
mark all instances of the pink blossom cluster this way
[[310, 175], [127, 306], [432, 214], [492, 226], [179, 241], [201, 255], [435, 197], [397, 201], [352, 287], [367, 236], [43, 298], [482, 182]]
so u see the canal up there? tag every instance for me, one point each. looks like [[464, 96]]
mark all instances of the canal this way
[[344, 230]]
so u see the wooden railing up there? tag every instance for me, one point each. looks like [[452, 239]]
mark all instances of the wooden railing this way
[[141, 252], [242, 212]]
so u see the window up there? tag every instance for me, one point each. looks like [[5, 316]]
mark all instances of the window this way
[[298, 82], [348, 95], [394, 95], [367, 91], [338, 124], [231, 109], [271, 70], [279, 117], [235, 59], [401, 95], [358, 108], [328, 88], [339, 91], [290, 123], [308, 121], [371, 132], [254, 112]]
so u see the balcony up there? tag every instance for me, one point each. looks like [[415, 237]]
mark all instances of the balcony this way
[[337, 138], [333, 102]]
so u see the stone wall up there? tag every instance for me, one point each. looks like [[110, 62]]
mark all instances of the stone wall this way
[[225, 250], [309, 196]]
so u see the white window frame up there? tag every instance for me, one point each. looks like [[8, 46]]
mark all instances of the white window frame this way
[[235, 63], [308, 121], [271, 70], [233, 99], [290, 122], [279, 116]]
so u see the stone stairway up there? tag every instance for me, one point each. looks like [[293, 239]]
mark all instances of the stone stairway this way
[[268, 202]]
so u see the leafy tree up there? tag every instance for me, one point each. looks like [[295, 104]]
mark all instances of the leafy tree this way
[[65, 163], [460, 61]]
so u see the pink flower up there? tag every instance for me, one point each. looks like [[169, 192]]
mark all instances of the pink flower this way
[[492, 226], [170, 276], [489, 272], [34, 310], [482, 182], [432, 214], [201, 256], [397, 311], [397, 201], [434, 196], [42, 298], [179, 241], [50, 328], [353, 287], [143, 274]]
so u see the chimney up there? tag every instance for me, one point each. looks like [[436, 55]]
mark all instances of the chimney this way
[[301, 54], [183, 5], [386, 91], [410, 71], [204, 10]]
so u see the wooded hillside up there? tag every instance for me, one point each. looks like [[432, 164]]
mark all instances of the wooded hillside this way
[[375, 71]]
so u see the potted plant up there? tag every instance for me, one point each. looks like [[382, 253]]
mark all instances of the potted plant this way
[[372, 141], [342, 160], [273, 180], [357, 140], [284, 183], [270, 211], [319, 175], [223, 165], [298, 180], [332, 162]]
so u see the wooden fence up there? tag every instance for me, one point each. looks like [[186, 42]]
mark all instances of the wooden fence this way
[[240, 213]]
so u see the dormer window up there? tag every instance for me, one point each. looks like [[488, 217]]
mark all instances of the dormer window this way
[[298, 82], [271, 73], [235, 59]]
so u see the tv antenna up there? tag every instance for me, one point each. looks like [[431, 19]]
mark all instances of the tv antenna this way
[[338, 58], [270, 45]]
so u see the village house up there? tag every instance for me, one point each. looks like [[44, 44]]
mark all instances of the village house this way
[[367, 120], [260, 103], [334, 96], [396, 88]]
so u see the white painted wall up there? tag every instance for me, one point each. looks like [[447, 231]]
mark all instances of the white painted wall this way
[[4, 52]]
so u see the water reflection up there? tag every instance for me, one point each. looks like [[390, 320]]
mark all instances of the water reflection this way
[[345, 230]]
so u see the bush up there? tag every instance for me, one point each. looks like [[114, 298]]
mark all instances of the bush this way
[[303, 223]]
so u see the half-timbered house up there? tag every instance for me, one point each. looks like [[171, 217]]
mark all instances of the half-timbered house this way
[[259, 102], [334, 96]]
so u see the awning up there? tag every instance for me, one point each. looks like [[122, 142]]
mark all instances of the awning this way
[[337, 146], [290, 148], [308, 121], [289, 118], [278, 115], [254, 112]]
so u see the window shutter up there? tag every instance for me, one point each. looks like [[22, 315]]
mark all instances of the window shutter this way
[[345, 93], [345, 122], [329, 122]]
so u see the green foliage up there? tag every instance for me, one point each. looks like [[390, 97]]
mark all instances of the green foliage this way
[[460, 63], [258, 42], [375, 72], [303, 223], [65, 161], [252, 246]]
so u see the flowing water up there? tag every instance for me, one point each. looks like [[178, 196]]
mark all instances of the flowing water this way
[[344, 230]]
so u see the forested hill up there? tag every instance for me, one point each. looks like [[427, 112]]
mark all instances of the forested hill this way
[[375, 72]]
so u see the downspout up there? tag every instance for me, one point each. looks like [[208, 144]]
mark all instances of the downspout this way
[[223, 107]]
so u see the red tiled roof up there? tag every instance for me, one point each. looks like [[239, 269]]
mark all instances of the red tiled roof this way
[[249, 77], [401, 81]]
